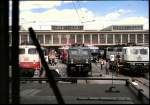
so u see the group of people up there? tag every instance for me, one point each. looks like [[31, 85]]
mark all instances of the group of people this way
[[52, 57], [105, 64]]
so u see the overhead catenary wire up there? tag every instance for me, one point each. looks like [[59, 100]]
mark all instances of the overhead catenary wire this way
[[80, 8], [77, 12], [83, 16]]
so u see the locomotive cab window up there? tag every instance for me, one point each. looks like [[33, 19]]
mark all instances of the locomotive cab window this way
[[84, 52], [143, 51], [32, 51], [134, 51], [21, 51], [74, 52]]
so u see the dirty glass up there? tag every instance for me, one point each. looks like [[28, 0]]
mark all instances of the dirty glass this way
[[96, 23]]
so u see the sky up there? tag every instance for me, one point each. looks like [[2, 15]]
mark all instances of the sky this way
[[94, 15]]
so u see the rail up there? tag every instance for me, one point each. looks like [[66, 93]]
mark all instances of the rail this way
[[140, 92], [142, 82]]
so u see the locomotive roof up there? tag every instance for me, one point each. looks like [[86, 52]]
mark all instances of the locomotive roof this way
[[31, 46], [136, 47], [79, 47]]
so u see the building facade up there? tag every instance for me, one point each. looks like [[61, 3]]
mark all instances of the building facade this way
[[57, 38]]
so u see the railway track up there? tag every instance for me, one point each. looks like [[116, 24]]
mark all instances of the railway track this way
[[142, 81]]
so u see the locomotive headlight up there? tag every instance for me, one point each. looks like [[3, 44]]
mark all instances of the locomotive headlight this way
[[145, 64], [87, 61], [91, 58], [34, 62], [132, 64], [71, 61]]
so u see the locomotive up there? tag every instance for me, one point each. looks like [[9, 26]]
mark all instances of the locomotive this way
[[135, 60], [79, 61]]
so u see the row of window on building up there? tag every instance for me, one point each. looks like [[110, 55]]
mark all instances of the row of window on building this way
[[67, 27], [128, 27], [97, 39]]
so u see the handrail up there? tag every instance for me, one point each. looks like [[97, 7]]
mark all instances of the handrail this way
[[70, 78]]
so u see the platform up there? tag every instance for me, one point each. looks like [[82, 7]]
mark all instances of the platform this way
[[79, 94]]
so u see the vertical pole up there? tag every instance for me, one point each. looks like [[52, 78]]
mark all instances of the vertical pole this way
[[75, 38], [121, 39], [143, 40], [98, 39], [136, 39], [106, 39], [43, 39], [52, 39], [83, 38], [4, 46], [113, 39], [15, 43], [90, 39], [59, 37]]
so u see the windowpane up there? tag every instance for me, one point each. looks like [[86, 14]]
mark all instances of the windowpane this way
[[102, 38], [63, 39], [24, 38], [40, 38], [79, 38], [95, 39], [117, 38], [56, 39], [146, 38], [48, 39], [134, 51], [72, 39], [110, 38], [21, 51], [139, 38], [32, 51], [143, 51], [87, 38], [124, 38]]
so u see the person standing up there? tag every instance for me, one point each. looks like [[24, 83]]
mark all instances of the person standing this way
[[102, 63], [117, 63], [107, 66]]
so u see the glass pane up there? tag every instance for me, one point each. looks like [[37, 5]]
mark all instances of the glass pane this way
[[63, 39], [143, 51], [117, 38], [79, 38], [102, 38], [21, 51], [110, 38], [139, 38], [132, 38], [72, 39], [94, 38], [124, 38], [134, 51], [40, 38], [55, 39], [87, 38], [32, 51], [48, 39]]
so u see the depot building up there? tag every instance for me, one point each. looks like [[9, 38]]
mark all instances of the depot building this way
[[66, 35]]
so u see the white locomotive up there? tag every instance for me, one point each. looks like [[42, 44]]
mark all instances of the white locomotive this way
[[135, 59]]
